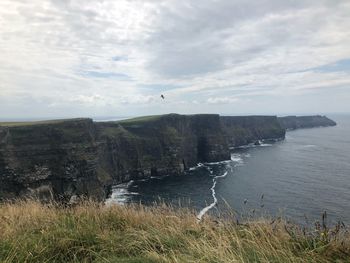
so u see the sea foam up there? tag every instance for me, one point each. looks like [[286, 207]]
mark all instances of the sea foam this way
[[215, 200]]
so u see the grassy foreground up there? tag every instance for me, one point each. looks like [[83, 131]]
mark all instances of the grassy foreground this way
[[32, 232]]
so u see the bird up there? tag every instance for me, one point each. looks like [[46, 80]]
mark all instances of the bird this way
[[162, 96]]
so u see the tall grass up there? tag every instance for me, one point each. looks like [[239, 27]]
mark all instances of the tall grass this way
[[91, 232]]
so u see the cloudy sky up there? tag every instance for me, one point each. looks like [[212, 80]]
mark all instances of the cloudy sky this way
[[62, 58]]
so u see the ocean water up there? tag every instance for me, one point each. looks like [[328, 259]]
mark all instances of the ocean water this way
[[298, 178]]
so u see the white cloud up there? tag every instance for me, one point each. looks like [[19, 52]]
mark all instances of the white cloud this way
[[222, 100], [64, 57], [138, 99], [89, 100]]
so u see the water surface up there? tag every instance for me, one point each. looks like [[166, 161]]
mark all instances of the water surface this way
[[299, 178]]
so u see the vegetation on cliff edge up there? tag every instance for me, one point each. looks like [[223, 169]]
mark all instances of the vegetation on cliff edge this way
[[90, 232]]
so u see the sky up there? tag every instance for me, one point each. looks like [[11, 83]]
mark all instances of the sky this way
[[70, 58]]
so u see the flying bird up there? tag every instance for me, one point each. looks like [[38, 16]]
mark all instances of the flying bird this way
[[162, 96]]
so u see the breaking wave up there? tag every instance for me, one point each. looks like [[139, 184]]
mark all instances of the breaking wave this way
[[236, 160], [215, 200], [120, 194]]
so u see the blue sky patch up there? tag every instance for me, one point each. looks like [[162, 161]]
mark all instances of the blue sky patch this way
[[339, 66], [106, 75], [119, 58]]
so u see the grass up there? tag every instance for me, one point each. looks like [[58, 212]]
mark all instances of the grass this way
[[141, 119], [91, 232], [30, 123]]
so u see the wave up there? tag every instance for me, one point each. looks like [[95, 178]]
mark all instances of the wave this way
[[220, 162], [262, 143], [215, 200], [199, 165], [309, 146], [237, 158], [265, 144], [120, 194]]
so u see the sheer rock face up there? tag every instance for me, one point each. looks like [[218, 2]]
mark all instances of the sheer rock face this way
[[298, 122], [162, 145], [61, 159], [49, 159], [243, 130]]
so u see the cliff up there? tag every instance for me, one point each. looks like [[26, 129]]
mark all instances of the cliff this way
[[242, 130], [170, 144], [298, 122], [159, 145], [54, 159], [60, 159]]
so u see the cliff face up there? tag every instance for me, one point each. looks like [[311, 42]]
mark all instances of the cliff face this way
[[49, 160], [169, 144], [159, 145], [59, 159], [298, 122], [242, 130]]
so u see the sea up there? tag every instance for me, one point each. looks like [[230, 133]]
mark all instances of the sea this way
[[299, 179]]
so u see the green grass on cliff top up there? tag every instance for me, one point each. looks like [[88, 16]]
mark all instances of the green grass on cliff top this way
[[136, 120], [151, 118], [29, 123], [131, 121], [141, 119]]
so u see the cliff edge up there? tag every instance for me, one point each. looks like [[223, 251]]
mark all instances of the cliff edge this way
[[298, 122], [78, 157]]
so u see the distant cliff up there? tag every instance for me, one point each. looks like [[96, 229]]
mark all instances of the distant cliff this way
[[59, 159], [169, 144], [298, 122]]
